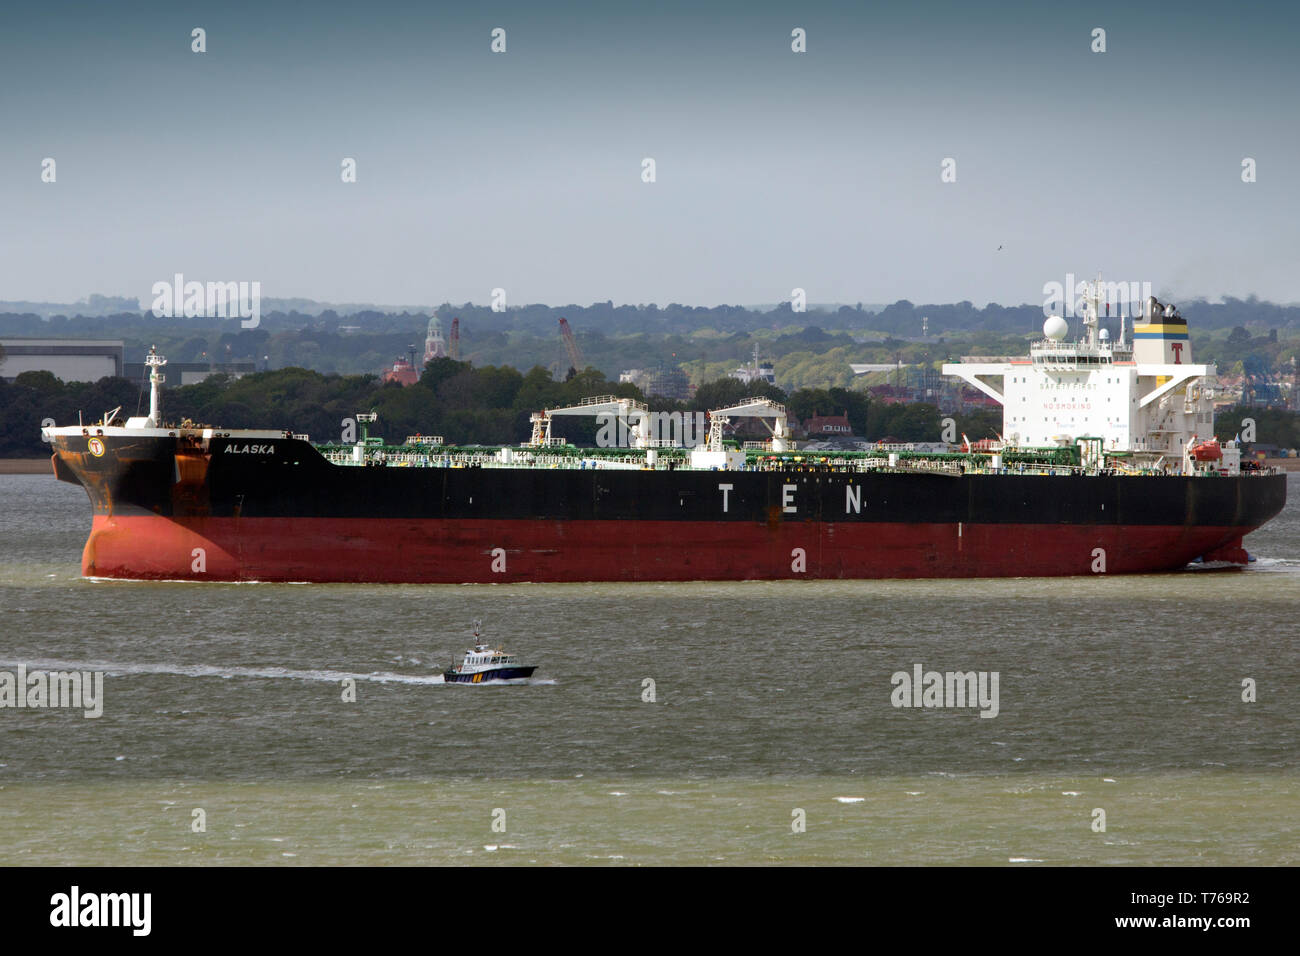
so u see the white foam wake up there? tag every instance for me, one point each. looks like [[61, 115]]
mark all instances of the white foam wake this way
[[117, 669]]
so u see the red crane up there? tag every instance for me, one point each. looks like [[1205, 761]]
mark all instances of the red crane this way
[[454, 345], [576, 363]]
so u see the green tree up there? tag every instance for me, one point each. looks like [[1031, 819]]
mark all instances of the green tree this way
[[724, 392]]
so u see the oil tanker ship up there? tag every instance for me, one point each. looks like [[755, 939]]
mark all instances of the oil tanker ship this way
[[1105, 464]]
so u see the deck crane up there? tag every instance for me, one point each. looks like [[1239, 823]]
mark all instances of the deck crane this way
[[576, 361], [453, 346], [714, 455], [637, 415], [761, 408]]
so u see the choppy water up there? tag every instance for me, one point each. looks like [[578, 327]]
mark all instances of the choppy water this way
[[1118, 693]]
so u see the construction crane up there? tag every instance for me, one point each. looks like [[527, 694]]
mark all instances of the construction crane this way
[[453, 345], [576, 362], [636, 413]]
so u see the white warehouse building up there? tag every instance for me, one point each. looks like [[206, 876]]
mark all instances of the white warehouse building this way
[[70, 360]]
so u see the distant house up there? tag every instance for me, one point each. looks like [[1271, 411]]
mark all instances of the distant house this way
[[402, 372], [828, 426], [1263, 450], [892, 394]]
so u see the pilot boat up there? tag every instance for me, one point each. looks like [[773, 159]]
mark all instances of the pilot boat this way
[[484, 664]]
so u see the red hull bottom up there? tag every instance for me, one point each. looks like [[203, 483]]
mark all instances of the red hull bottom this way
[[434, 551]]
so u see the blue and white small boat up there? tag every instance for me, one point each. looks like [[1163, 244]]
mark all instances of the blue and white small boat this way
[[484, 664]]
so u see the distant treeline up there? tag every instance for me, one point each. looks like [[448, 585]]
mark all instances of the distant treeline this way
[[464, 404], [1273, 426], [902, 318], [807, 356]]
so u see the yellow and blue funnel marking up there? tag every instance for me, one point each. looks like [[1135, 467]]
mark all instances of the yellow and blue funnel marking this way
[[1162, 331]]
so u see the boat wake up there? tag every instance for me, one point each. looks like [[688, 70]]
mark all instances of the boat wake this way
[[119, 669], [1275, 565]]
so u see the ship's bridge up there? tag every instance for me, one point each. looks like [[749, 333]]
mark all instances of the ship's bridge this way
[[1055, 354]]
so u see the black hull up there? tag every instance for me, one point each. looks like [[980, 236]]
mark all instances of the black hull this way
[[144, 476], [275, 510], [487, 677]]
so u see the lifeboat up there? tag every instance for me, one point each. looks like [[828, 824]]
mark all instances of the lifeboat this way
[[1209, 450]]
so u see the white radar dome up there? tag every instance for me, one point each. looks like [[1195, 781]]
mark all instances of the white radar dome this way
[[1055, 328]]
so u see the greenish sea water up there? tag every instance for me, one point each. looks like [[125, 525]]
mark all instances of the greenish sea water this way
[[1120, 694]]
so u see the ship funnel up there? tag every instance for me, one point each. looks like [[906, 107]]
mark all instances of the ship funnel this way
[[1162, 338]]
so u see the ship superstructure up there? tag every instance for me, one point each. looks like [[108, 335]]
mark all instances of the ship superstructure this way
[[1140, 403]]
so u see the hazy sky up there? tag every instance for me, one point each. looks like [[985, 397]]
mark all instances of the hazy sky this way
[[522, 170]]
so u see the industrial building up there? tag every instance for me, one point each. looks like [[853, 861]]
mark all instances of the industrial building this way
[[70, 360], [190, 373]]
